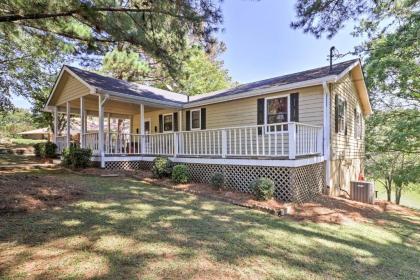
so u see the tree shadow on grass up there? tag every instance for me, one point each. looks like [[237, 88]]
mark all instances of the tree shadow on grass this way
[[125, 229]]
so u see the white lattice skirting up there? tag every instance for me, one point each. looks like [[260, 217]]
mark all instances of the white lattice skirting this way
[[297, 184]]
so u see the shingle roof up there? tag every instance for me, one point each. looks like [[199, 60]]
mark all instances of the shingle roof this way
[[307, 75], [121, 86], [134, 89]]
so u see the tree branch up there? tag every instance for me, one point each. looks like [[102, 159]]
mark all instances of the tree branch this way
[[17, 17]]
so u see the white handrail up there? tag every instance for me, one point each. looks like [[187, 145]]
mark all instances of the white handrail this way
[[288, 139]]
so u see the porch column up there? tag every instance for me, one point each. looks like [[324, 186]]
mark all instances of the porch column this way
[[82, 122], [180, 120], [101, 130], [108, 117], [143, 142], [108, 137], [68, 138], [55, 115]]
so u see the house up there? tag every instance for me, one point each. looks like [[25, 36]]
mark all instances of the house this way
[[36, 134], [304, 130]]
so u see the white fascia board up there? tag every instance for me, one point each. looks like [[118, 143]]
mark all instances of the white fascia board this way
[[348, 69], [258, 92], [137, 99]]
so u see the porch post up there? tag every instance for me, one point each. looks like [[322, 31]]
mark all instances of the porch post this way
[[108, 117], [292, 140], [101, 130], [55, 114], [180, 120], [68, 138], [82, 122], [143, 142]]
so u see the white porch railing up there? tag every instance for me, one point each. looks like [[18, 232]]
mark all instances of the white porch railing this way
[[159, 144], [277, 140], [91, 141]]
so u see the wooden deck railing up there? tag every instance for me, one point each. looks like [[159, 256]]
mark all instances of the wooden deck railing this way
[[277, 140]]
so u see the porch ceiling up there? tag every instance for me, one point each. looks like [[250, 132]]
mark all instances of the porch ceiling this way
[[110, 106]]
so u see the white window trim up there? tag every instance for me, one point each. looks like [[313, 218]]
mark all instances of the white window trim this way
[[343, 132], [163, 122], [199, 119], [267, 131]]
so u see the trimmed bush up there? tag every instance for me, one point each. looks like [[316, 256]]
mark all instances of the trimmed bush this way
[[45, 150], [263, 188], [162, 167], [75, 157], [217, 180], [180, 174]]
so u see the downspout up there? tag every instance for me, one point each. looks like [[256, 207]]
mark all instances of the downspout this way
[[327, 134]]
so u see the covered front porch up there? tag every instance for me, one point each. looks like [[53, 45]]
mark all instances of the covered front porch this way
[[283, 141]]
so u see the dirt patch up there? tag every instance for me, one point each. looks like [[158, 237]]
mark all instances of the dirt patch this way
[[20, 192], [338, 210]]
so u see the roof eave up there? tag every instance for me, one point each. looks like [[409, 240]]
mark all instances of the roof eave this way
[[258, 92]]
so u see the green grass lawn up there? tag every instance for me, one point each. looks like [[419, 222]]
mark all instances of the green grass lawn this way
[[124, 229]]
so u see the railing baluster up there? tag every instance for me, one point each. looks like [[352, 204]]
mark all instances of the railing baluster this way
[[275, 140], [263, 140]]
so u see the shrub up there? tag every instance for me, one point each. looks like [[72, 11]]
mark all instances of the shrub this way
[[263, 188], [162, 167], [75, 157], [45, 150], [217, 180], [180, 174]]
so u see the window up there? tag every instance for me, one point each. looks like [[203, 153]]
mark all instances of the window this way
[[168, 122], [196, 119], [277, 111], [357, 124], [341, 115]]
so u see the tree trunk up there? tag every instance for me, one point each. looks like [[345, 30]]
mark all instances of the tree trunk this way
[[388, 194], [388, 187], [397, 195]]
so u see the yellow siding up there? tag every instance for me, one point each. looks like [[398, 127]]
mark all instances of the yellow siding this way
[[243, 112], [68, 89], [346, 146], [347, 152]]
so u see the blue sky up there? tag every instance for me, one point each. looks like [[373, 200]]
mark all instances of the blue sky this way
[[260, 43]]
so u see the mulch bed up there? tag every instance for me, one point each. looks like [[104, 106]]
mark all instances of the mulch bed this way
[[26, 192]]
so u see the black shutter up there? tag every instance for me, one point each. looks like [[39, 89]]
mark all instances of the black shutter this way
[[345, 117], [203, 118], [336, 113], [294, 107], [260, 114], [160, 123], [187, 120], [176, 121]]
